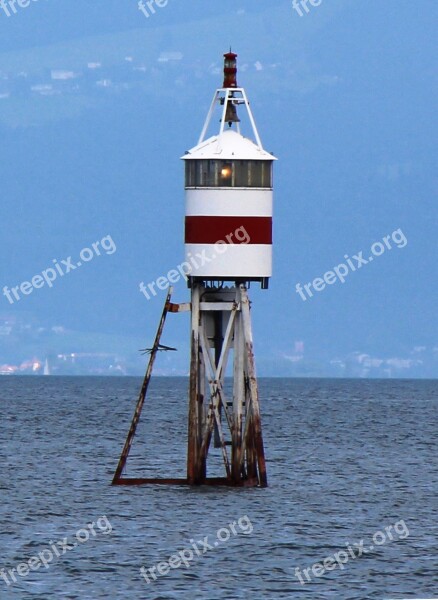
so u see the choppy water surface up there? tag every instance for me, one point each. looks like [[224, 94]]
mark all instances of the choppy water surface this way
[[346, 459]]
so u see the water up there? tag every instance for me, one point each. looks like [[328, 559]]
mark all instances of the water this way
[[346, 459]]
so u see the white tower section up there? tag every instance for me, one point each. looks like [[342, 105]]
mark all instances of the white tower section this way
[[229, 196]]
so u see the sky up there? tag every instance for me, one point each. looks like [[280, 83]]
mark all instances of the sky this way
[[99, 101]]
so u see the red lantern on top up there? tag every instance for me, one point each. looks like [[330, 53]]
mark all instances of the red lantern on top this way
[[230, 70]]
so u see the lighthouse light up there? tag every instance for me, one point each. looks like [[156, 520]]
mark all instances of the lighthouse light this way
[[226, 171]]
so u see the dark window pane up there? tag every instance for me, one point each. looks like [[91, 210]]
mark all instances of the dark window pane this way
[[241, 173], [190, 173]]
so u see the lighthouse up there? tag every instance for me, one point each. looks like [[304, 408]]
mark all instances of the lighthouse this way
[[228, 193], [228, 220], [228, 181]]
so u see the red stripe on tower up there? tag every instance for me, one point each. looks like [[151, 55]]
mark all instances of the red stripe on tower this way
[[231, 230]]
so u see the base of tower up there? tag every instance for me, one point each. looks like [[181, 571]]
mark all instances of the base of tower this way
[[213, 481]]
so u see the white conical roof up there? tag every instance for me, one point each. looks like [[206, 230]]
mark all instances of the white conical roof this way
[[229, 145]]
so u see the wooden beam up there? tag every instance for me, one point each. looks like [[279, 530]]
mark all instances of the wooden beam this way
[[136, 418], [238, 456], [194, 469], [253, 389]]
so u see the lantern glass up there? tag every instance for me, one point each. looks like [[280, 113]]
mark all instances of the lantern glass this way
[[222, 173]]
